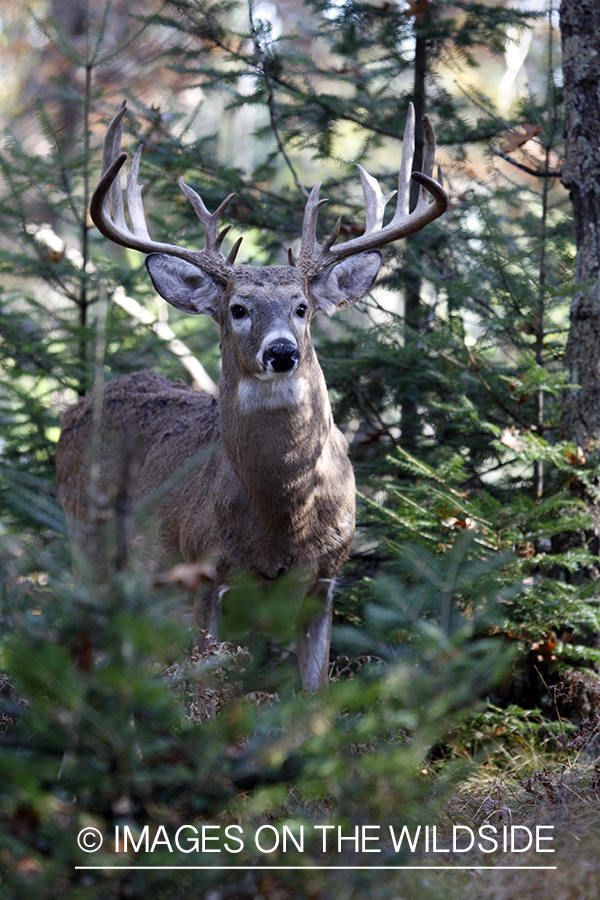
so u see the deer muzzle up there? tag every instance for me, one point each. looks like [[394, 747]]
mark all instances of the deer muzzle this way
[[282, 356]]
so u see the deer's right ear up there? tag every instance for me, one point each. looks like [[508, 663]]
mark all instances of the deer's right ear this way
[[183, 285]]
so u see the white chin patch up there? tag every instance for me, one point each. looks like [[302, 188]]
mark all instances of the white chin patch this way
[[271, 393]]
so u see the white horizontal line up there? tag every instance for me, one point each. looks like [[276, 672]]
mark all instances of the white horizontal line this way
[[321, 868]]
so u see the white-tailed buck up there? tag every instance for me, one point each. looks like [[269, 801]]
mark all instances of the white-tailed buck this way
[[274, 490]]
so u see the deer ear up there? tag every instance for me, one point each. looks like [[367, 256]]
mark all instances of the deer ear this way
[[346, 283], [183, 285]]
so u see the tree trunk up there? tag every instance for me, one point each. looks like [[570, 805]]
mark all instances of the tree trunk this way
[[580, 29]]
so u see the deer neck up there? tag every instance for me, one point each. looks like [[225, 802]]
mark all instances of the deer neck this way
[[277, 434]]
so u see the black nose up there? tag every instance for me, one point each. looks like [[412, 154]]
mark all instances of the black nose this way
[[282, 356]]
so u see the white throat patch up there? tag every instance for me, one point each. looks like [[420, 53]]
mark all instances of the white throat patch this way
[[272, 393]]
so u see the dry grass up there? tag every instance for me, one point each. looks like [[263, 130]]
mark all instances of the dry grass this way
[[532, 791]]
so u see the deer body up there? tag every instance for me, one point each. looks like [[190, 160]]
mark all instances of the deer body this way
[[274, 490]]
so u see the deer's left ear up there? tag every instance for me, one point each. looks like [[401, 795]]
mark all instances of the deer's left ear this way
[[345, 283]]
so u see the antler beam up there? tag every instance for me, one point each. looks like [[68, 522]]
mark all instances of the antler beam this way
[[315, 256], [108, 213]]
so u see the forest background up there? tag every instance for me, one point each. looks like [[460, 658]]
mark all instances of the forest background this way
[[465, 655]]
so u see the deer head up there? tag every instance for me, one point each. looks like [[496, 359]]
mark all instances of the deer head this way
[[325, 277]]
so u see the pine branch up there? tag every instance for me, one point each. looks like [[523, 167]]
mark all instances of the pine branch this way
[[266, 72], [539, 173]]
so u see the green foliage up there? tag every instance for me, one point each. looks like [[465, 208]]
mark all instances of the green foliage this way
[[102, 739]]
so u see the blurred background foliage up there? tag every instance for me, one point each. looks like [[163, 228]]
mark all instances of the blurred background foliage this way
[[467, 616]]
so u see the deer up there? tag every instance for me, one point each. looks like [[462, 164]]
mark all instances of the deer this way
[[258, 479]]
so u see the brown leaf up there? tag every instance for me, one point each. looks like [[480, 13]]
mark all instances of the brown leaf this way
[[531, 130], [544, 650], [577, 459], [526, 550], [515, 139], [189, 575]]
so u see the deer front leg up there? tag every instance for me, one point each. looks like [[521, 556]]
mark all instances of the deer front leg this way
[[314, 635], [207, 612]]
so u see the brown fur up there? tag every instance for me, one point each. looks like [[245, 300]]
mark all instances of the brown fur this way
[[264, 489], [271, 488]]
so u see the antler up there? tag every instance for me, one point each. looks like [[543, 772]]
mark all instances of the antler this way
[[315, 256], [108, 194]]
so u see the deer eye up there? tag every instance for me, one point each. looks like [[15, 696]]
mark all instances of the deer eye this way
[[301, 310], [237, 311]]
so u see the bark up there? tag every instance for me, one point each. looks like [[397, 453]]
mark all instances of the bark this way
[[580, 30]]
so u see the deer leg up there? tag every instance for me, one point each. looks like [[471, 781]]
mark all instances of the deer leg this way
[[314, 635], [207, 612]]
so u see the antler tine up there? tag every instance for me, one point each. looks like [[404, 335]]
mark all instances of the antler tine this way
[[311, 251], [314, 256], [429, 147], [113, 224], [134, 198], [408, 151], [234, 251], [311, 213], [375, 201], [112, 138], [111, 153], [210, 221]]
